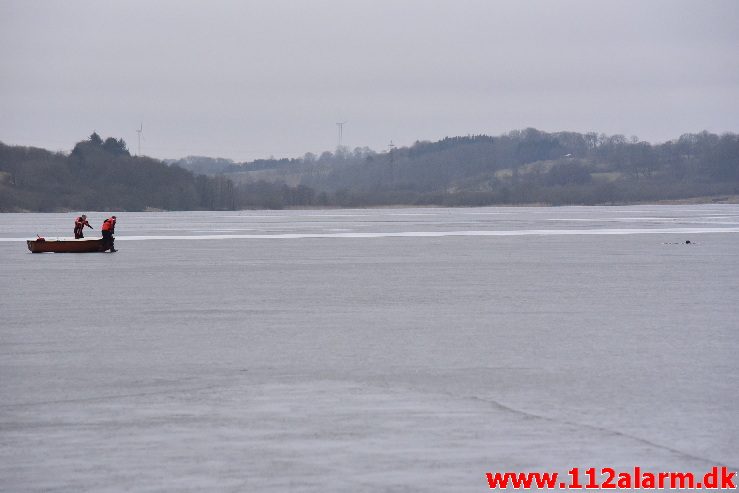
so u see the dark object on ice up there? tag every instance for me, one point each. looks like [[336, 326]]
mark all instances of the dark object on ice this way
[[687, 242], [65, 245]]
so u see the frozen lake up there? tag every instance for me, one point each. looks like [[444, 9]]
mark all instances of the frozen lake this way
[[368, 350]]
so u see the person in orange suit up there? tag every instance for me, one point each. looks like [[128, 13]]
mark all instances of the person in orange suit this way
[[108, 230], [79, 225]]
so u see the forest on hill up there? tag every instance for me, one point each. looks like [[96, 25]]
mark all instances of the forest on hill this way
[[521, 167], [102, 175]]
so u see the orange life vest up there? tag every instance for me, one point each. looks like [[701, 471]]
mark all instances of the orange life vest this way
[[108, 224]]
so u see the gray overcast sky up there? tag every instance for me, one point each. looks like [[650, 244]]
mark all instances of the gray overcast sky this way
[[249, 79]]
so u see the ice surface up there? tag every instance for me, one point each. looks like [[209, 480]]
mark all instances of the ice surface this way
[[290, 356]]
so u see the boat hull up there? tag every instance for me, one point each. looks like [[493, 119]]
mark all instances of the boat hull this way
[[82, 245]]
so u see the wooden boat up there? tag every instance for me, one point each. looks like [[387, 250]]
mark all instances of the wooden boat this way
[[66, 245]]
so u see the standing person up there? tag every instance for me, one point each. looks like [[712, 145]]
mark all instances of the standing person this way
[[108, 230], [79, 225]]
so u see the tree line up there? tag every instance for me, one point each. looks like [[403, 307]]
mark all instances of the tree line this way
[[102, 175], [520, 167]]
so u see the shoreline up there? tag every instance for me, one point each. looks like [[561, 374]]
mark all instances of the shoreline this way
[[708, 200]]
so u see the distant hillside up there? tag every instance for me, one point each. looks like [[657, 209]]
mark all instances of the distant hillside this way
[[101, 175], [202, 165], [521, 167], [527, 166]]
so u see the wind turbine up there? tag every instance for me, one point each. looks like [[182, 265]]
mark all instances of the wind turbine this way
[[341, 131], [139, 130]]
